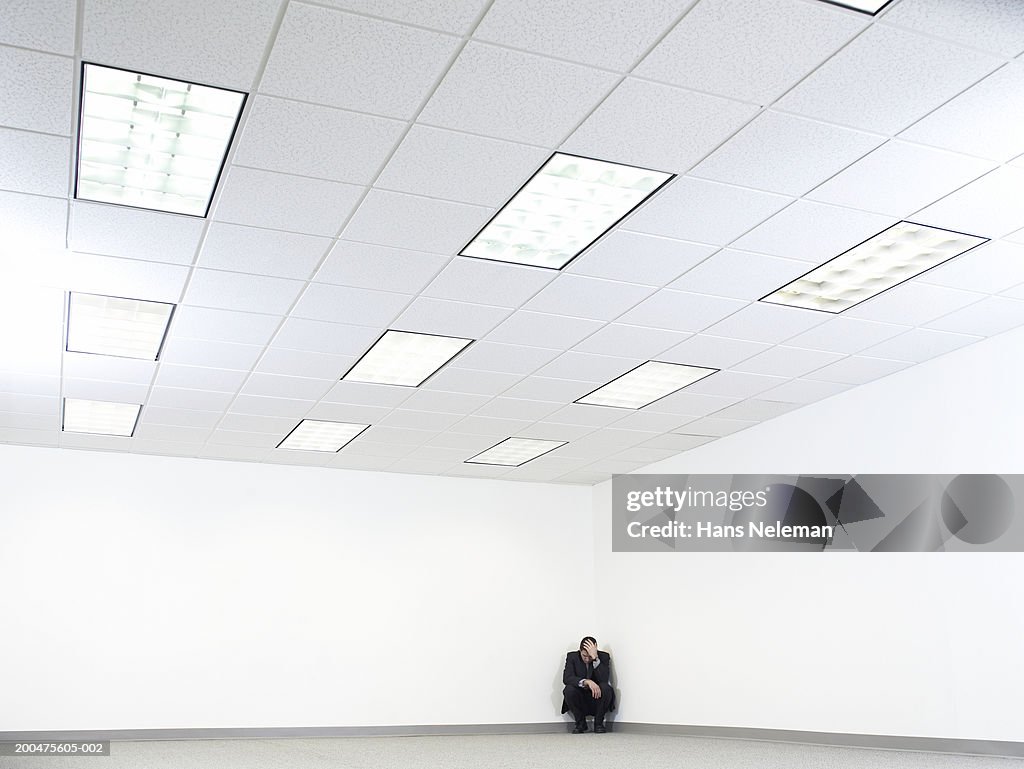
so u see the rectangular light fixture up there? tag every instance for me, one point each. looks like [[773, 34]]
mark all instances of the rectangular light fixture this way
[[513, 452], [563, 208], [317, 435], [150, 142], [405, 358], [111, 325], [100, 417], [645, 384], [870, 7], [887, 259]]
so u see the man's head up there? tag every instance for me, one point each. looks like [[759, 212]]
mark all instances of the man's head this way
[[588, 648]]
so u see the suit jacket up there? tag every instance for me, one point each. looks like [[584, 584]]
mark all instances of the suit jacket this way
[[576, 670]]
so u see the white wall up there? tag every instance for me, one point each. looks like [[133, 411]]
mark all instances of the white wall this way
[[905, 644], [152, 592]]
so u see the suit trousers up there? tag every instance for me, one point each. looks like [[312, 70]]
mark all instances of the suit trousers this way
[[582, 704]]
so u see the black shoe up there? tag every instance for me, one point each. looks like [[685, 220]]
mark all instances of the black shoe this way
[[599, 728], [580, 728]]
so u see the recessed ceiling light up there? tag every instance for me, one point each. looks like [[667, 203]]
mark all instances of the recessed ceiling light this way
[[405, 358], [110, 325], [864, 6], [891, 257], [645, 384], [513, 452], [315, 435], [100, 417], [151, 142], [564, 207]]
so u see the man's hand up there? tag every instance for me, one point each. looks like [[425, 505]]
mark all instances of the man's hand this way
[[591, 649], [595, 690]]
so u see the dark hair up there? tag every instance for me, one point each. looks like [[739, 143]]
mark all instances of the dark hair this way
[[588, 638]]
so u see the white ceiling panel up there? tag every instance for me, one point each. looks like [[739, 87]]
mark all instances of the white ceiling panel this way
[[787, 361], [133, 233], [200, 352], [100, 390], [988, 317], [512, 94], [31, 221], [444, 402], [989, 207], [658, 126], [900, 178], [705, 212], [241, 292], [857, 370], [691, 404], [991, 268], [345, 412], [20, 385], [734, 384], [320, 336], [350, 461], [461, 319], [650, 421], [712, 351], [35, 91], [804, 391], [419, 420], [584, 297], [491, 426], [543, 330], [846, 335], [886, 79], [913, 304], [516, 408], [631, 257], [46, 25], [29, 437], [756, 410], [199, 378], [263, 252], [264, 441], [920, 344], [995, 25], [447, 15], [213, 42], [370, 449], [554, 431], [223, 325], [128, 278], [285, 202], [88, 366], [279, 386], [711, 48], [485, 282], [354, 62], [34, 163], [786, 154], [740, 275], [359, 393], [355, 306], [159, 415], [271, 407], [469, 381], [678, 442], [368, 266], [507, 358], [188, 398], [312, 140], [277, 360], [630, 341], [586, 367], [715, 426], [582, 414], [681, 311], [29, 404], [9, 420], [547, 389], [415, 222], [760, 322]]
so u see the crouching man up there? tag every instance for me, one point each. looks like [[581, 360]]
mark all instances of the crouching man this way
[[588, 689]]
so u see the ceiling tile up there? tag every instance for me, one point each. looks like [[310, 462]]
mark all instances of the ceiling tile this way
[[814, 232], [277, 360], [740, 275], [493, 426], [88, 366], [996, 25], [989, 268], [988, 317], [31, 221], [320, 336], [29, 404], [414, 222], [712, 351], [635, 258], [484, 282], [649, 421], [512, 95], [630, 341], [588, 368], [419, 420], [857, 370], [900, 178], [507, 358], [9, 420], [681, 311], [30, 437], [214, 42], [913, 304], [515, 408], [342, 304], [347, 412], [760, 322], [262, 441], [710, 49], [461, 167], [16, 384], [199, 378], [540, 329], [582, 414], [804, 391], [279, 386], [223, 325], [547, 389], [553, 431], [886, 79], [96, 442], [124, 277], [199, 352], [46, 25], [706, 212], [584, 297], [246, 293], [920, 344], [367, 266], [360, 393], [271, 407], [370, 449], [846, 335], [981, 121], [715, 426], [787, 361], [351, 461], [658, 126], [733, 384], [687, 403], [677, 442], [471, 444], [448, 15], [182, 398], [461, 319], [34, 163], [159, 415], [263, 252], [311, 140], [358, 63], [99, 390], [285, 202], [444, 402], [470, 381], [989, 207], [755, 410], [35, 91], [134, 233]]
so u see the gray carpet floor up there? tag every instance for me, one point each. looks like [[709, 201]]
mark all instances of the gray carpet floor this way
[[532, 751]]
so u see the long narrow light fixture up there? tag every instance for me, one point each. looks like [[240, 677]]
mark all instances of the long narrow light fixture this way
[[563, 208], [870, 7], [111, 325], [513, 452], [891, 257], [100, 417], [151, 142], [317, 435], [405, 358], [645, 384]]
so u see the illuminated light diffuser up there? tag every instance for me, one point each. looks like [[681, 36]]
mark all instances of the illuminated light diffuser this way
[[870, 7], [891, 257], [110, 325], [645, 384], [405, 358], [100, 417], [150, 142], [564, 207], [513, 452], [315, 435]]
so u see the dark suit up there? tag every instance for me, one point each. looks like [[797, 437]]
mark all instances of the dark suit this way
[[578, 699]]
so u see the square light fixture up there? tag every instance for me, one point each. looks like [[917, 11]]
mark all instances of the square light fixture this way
[[150, 142], [111, 325], [563, 208], [870, 7], [405, 358], [316, 435], [645, 384], [100, 417], [513, 452], [887, 259]]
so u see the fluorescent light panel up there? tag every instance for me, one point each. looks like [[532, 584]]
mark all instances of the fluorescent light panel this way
[[151, 142], [645, 384], [513, 452], [865, 6], [315, 435], [564, 207], [110, 325], [876, 265], [100, 417], [405, 358]]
